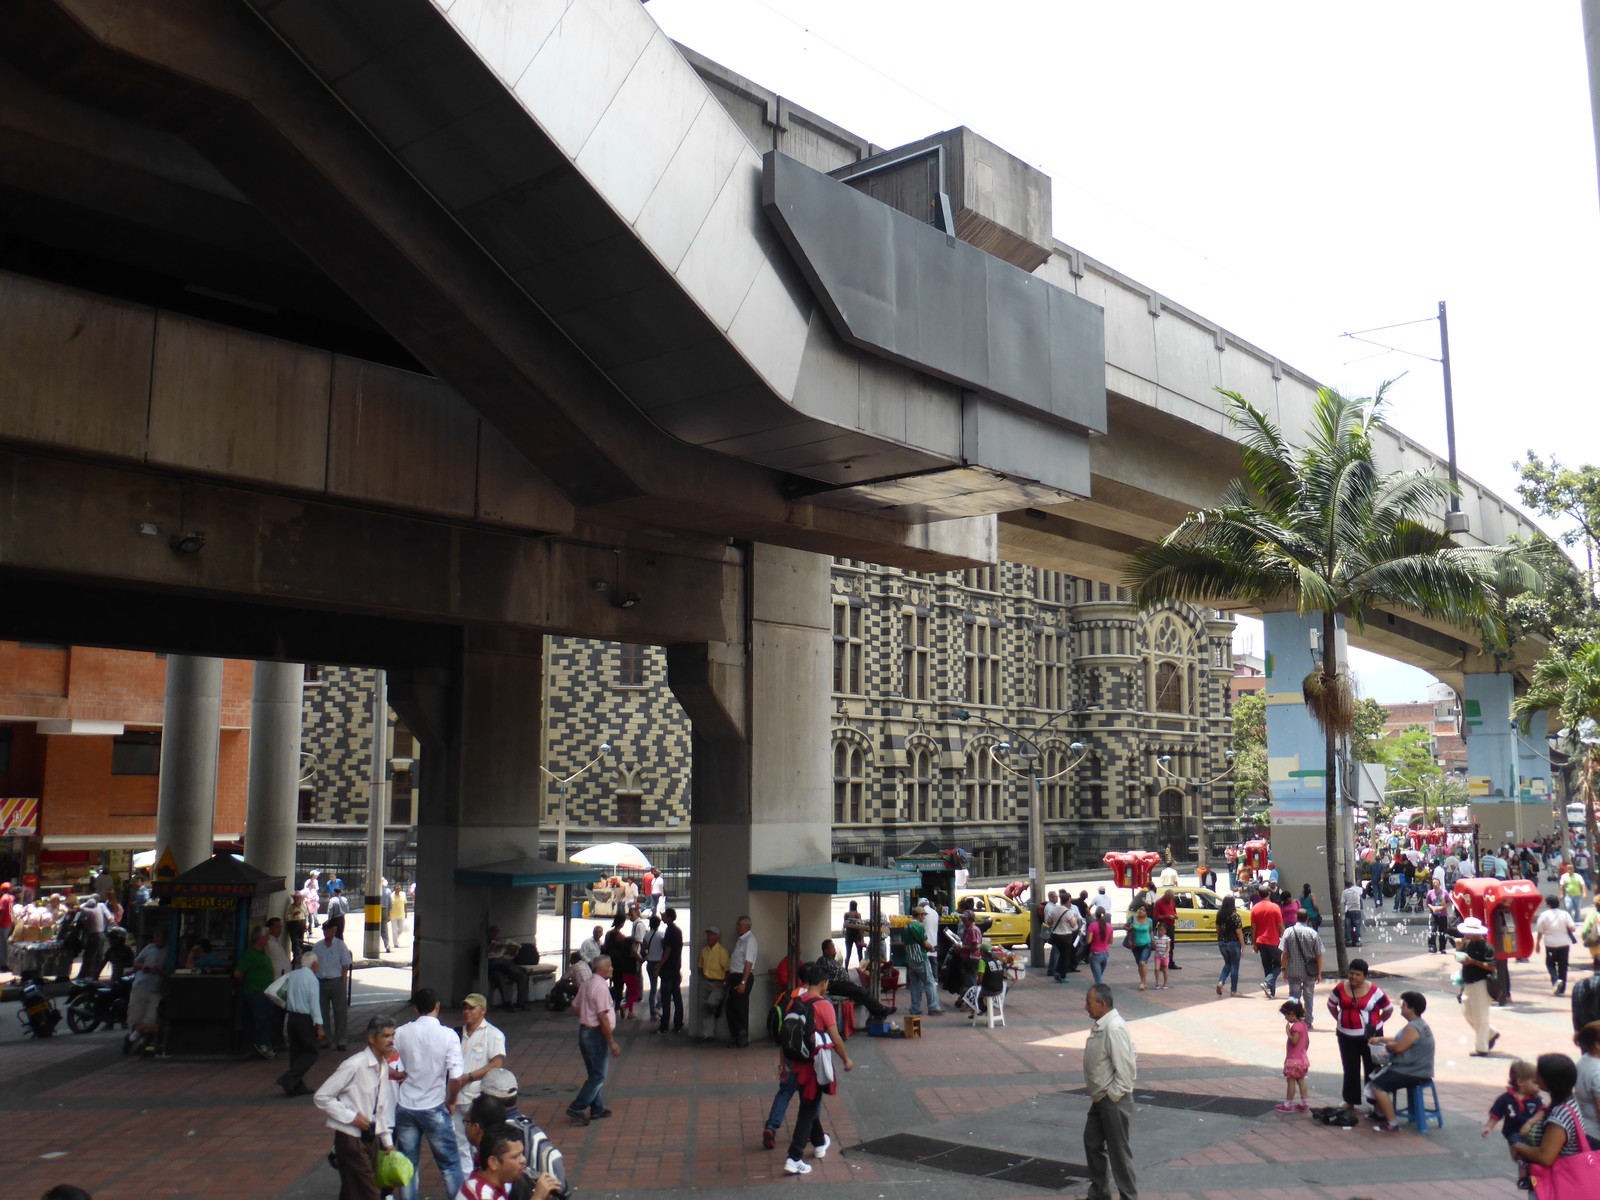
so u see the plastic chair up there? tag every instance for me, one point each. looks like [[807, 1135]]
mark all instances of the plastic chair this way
[[1416, 1109], [990, 1005]]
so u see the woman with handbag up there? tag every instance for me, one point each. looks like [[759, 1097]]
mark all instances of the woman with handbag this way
[[1138, 939], [1477, 974], [1564, 1166], [1230, 942]]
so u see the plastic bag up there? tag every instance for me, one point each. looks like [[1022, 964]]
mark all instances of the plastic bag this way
[[392, 1170]]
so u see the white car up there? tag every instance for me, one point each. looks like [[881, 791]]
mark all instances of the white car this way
[[1575, 813]]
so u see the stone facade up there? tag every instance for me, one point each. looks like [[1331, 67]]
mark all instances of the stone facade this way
[[1028, 656], [1031, 650]]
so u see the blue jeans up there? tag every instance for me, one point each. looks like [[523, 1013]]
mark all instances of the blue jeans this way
[[597, 1061], [780, 1102], [1352, 927], [1572, 904], [1231, 952], [920, 982], [1097, 964], [262, 1010], [410, 1125]]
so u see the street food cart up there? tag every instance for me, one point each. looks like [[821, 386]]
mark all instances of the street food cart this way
[[216, 904]]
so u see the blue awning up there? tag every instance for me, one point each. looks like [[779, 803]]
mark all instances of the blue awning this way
[[828, 879], [527, 872]]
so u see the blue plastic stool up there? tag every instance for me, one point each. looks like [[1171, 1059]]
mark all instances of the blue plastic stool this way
[[1416, 1110]]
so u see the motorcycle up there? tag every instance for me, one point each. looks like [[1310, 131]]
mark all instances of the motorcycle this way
[[91, 1004], [39, 1014]]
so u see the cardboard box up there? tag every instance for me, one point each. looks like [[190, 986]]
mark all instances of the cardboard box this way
[[913, 1027]]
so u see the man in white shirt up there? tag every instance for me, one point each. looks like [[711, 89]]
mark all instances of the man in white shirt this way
[[483, 1048], [741, 976], [430, 1056], [1554, 933], [358, 1101], [144, 996], [658, 891], [334, 963], [1168, 877], [1110, 1068], [302, 1007], [590, 946], [1350, 905]]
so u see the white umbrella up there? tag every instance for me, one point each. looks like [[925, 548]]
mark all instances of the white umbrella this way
[[613, 854]]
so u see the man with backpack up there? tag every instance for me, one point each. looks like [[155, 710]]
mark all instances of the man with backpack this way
[[542, 1155], [807, 1040]]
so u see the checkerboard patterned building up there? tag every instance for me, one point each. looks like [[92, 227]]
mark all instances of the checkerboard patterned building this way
[[1054, 658]]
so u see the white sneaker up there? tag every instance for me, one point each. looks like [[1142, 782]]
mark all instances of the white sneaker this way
[[793, 1166], [822, 1150]]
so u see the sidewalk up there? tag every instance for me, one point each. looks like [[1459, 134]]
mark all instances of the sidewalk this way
[[1000, 1106]]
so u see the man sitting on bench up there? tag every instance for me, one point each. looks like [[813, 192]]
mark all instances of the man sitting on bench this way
[[842, 987], [504, 973]]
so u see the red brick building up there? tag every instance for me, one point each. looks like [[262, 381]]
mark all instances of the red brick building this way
[[80, 734]]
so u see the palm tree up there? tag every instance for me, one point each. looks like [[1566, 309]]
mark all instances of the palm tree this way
[[1321, 527], [1570, 684]]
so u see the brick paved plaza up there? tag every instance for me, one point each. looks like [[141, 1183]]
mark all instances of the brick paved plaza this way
[[688, 1117]]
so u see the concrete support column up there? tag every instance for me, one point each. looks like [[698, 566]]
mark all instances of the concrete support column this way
[[1296, 752], [191, 735], [760, 754], [1503, 763], [1533, 774], [1486, 725], [272, 805], [480, 796]]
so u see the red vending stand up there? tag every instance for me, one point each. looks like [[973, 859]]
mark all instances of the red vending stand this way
[[1506, 906], [1121, 867], [1256, 854], [1132, 868]]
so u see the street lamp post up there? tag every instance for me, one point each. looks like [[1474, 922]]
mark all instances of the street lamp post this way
[[561, 790], [561, 839], [1036, 869], [1202, 847]]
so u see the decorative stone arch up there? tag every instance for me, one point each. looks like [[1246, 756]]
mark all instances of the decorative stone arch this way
[[982, 780], [851, 755], [922, 772], [1172, 642], [1171, 825]]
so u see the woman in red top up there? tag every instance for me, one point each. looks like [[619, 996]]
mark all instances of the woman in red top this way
[[1359, 1009]]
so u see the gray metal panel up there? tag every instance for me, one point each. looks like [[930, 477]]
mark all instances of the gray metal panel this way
[[887, 282]]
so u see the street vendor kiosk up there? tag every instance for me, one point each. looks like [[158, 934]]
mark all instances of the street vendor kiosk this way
[[1133, 868], [1507, 906], [836, 879], [936, 880], [214, 904]]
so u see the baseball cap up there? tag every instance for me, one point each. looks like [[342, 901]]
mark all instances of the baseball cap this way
[[500, 1083], [713, 929], [475, 1000]]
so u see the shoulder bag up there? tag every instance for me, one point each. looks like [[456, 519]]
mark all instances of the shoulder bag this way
[[1571, 1176]]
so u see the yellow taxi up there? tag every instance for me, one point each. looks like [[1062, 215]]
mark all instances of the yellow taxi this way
[[1008, 921], [1197, 913]]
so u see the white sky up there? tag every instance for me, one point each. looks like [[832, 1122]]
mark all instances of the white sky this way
[[1290, 170]]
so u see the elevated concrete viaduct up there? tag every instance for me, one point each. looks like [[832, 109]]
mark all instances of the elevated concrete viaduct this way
[[402, 332]]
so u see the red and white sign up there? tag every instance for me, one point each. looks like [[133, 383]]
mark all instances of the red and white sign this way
[[19, 816]]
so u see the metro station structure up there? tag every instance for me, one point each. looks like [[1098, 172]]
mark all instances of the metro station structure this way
[[401, 333]]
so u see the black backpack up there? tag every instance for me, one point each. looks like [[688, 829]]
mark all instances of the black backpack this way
[[796, 1034]]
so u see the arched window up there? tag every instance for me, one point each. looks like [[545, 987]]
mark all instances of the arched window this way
[[1169, 688], [983, 785], [920, 785], [849, 782]]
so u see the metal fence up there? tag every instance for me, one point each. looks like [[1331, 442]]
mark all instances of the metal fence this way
[[347, 858]]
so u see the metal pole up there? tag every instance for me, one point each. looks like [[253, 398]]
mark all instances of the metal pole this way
[[376, 814], [1449, 401], [1036, 955]]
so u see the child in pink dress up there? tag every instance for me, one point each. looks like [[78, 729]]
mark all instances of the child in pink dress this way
[[1296, 1057]]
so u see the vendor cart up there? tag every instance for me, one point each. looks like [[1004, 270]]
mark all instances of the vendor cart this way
[[215, 904]]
